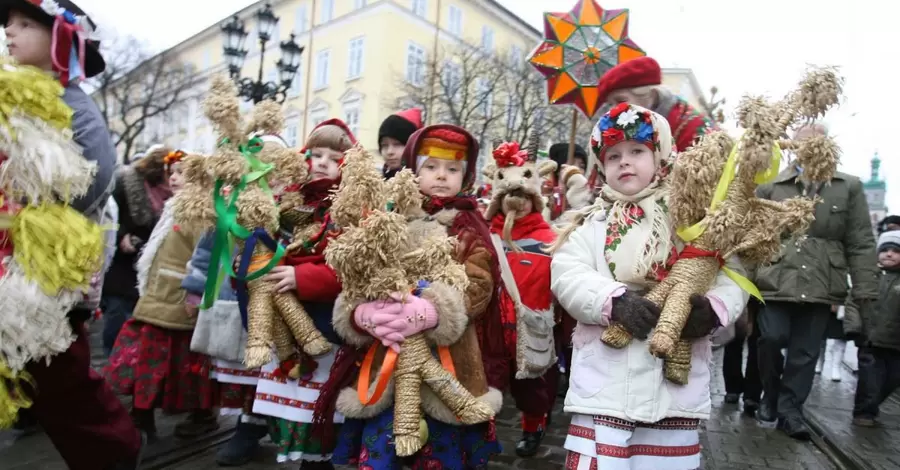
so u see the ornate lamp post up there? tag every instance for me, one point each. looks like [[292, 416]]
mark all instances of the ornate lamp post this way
[[257, 90]]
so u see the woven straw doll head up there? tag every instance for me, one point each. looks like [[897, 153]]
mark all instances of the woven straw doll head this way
[[516, 178]]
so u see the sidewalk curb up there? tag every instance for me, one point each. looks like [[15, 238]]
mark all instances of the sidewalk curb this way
[[832, 449]]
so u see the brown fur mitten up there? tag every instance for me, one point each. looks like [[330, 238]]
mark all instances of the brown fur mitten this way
[[635, 313]]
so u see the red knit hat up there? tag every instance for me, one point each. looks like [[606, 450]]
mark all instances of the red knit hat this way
[[643, 71]]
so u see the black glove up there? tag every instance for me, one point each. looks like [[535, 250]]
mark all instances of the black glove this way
[[635, 313], [702, 319]]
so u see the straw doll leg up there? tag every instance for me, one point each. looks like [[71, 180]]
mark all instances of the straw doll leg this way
[[678, 363], [301, 326], [260, 321], [416, 364], [284, 341], [688, 276]]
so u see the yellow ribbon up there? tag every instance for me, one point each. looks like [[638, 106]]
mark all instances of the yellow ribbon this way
[[689, 234], [12, 395]]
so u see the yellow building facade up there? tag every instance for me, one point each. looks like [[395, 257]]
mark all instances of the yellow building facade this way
[[356, 55]]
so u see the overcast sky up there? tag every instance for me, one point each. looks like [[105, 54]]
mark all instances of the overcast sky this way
[[759, 46]]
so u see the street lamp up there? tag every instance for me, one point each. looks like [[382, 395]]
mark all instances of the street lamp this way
[[257, 90]]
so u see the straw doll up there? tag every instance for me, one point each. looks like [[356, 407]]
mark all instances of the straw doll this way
[[380, 254], [49, 251], [713, 203], [244, 208]]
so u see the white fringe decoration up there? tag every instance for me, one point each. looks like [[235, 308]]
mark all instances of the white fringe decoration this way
[[33, 325], [43, 164]]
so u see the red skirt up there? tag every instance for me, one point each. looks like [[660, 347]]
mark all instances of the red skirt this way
[[236, 397], [156, 366]]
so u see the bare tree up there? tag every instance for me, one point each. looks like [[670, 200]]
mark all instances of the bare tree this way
[[487, 94], [136, 87], [714, 107]]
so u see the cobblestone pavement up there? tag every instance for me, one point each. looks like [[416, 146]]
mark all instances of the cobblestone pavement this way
[[730, 441], [829, 410]]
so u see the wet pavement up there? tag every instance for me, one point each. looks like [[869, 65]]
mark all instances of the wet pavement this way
[[730, 440]]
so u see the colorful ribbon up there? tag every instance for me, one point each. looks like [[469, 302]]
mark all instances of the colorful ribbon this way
[[689, 234], [228, 229], [67, 59]]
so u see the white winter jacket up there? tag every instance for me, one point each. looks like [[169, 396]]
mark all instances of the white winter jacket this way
[[626, 383]]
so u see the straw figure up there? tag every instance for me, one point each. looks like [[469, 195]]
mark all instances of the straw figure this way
[[49, 251], [243, 208], [720, 217], [379, 253]]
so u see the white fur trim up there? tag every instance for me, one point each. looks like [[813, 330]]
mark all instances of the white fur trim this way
[[163, 228], [33, 325]]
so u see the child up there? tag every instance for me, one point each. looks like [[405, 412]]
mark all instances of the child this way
[[879, 354], [515, 214], [392, 137], [626, 414], [152, 359], [444, 158], [236, 384], [292, 402], [97, 433]]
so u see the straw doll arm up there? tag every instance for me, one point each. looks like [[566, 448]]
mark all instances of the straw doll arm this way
[[577, 282], [727, 298], [859, 245], [481, 284]]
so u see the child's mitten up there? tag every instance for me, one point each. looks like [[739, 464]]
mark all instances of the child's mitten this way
[[702, 319], [635, 313]]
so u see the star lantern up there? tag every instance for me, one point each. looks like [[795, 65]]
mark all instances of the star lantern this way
[[578, 48]]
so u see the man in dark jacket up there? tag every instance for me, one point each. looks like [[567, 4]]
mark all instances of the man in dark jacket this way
[[82, 416], [804, 282]]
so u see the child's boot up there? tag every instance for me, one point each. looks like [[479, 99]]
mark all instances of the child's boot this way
[[145, 421], [245, 442], [532, 435]]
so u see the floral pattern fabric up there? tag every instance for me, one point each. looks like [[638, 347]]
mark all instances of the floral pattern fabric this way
[[158, 368], [368, 444]]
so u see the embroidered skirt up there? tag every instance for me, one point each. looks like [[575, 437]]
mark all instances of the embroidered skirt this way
[[292, 403], [157, 367], [368, 444], [237, 386], [606, 443]]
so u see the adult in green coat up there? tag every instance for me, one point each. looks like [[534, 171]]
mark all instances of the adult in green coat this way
[[801, 285]]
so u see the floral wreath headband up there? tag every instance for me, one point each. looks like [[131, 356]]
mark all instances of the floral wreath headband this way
[[52, 8], [173, 157], [622, 123], [68, 29]]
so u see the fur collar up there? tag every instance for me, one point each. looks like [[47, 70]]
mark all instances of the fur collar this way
[[136, 196], [145, 262]]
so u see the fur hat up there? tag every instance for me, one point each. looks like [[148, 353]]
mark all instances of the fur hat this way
[[643, 71], [626, 122], [889, 241], [74, 25], [401, 125], [516, 172]]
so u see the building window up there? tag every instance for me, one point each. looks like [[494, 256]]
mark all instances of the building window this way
[[487, 38], [415, 64], [252, 44], [295, 88], [357, 4], [419, 7], [485, 97], [322, 68], [515, 56], [455, 20], [355, 58], [327, 11], [290, 130], [317, 115], [351, 117], [451, 79], [302, 19], [207, 60]]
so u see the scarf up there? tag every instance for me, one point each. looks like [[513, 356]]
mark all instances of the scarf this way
[[639, 247], [343, 373], [470, 228], [158, 195]]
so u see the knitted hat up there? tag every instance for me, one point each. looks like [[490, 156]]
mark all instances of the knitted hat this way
[[401, 125], [71, 29], [889, 240], [559, 153], [446, 142], [626, 122], [889, 220], [643, 71]]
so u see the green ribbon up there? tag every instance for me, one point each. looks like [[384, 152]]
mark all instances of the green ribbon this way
[[228, 230]]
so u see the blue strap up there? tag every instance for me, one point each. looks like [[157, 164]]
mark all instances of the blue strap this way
[[243, 295]]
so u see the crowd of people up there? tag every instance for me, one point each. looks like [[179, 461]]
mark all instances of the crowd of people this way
[[556, 253]]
